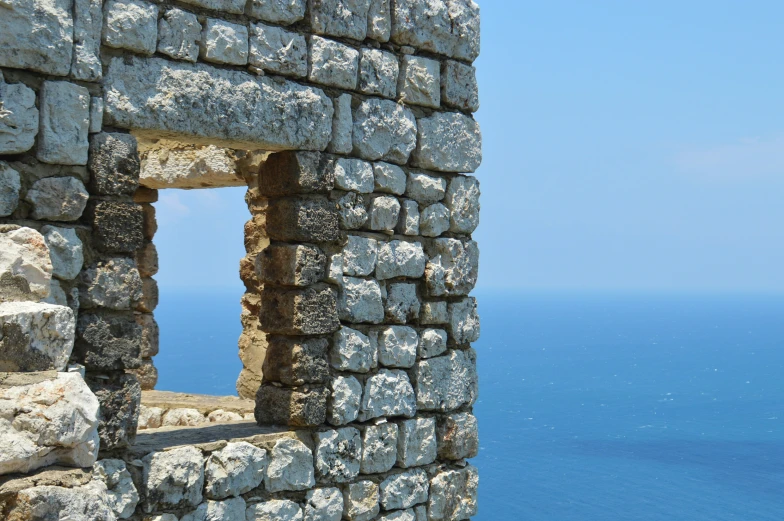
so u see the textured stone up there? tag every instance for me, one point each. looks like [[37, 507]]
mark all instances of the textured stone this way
[[337, 454], [397, 346], [333, 63], [457, 436], [379, 448], [237, 109], [290, 467], [149, 224], [146, 374], [458, 86], [420, 81], [172, 479], [35, 336], [278, 50], [121, 492], [224, 42], [448, 142], [295, 173], [447, 382], [147, 260], [114, 164], [434, 220], [291, 264], [379, 20], [96, 112], [432, 342], [416, 442], [230, 509], [117, 227], [107, 342], [388, 393], [278, 11], [463, 321], [434, 313], [221, 416], [342, 124], [408, 222], [302, 220], [389, 178], [400, 259], [384, 130], [19, 123], [65, 121], [119, 397], [402, 303], [453, 495], [309, 311], [359, 301], [131, 24], [57, 199], [378, 72], [228, 6], [425, 188], [113, 284], [275, 510], [404, 490], [323, 504], [353, 351], [344, 400], [302, 407], [170, 164], [462, 199], [150, 296], [400, 515], [384, 213], [449, 27], [25, 265], [182, 417], [360, 501], [346, 18], [47, 419], [352, 211], [37, 35], [82, 503], [88, 19], [179, 34], [235, 469], [453, 267], [359, 256], [150, 417], [353, 175], [296, 361]]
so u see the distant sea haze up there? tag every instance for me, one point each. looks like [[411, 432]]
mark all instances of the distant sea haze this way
[[592, 407]]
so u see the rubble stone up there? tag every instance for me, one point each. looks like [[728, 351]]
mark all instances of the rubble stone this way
[[65, 250], [389, 178], [182, 417], [353, 351], [424, 188], [384, 213], [457, 436], [384, 130], [360, 301], [9, 189], [57, 199], [119, 397], [37, 35], [448, 142], [275, 510], [65, 121], [400, 259], [179, 34], [121, 493], [337, 454], [25, 265], [224, 42], [453, 268], [360, 501], [342, 124], [81, 503], [283, 12], [379, 20], [113, 284], [323, 504], [353, 213], [379, 448], [416, 442], [447, 382], [420, 81], [354, 175], [333, 63], [150, 417], [290, 467], [378, 72], [35, 336], [221, 416], [228, 6], [388, 393], [344, 400], [131, 24], [448, 27], [458, 86], [408, 222], [402, 303], [359, 256], [88, 20], [453, 494], [277, 50], [19, 124], [114, 164], [346, 18], [172, 479], [434, 220], [232, 508], [432, 343], [397, 346], [462, 199], [404, 490], [463, 321], [235, 469]]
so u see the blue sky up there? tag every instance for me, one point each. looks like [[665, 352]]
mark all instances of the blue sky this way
[[628, 146]]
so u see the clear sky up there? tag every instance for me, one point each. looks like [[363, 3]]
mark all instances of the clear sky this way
[[627, 146]]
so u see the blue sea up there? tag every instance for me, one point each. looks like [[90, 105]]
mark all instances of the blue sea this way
[[592, 407]]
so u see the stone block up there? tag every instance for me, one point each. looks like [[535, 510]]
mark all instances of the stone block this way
[[147, 260], [146, 374], [400, 515], [57, 199], [353, 351], [131, 24], [432, 342], [150, 296], [408, 222], [404, 490], [172, 479], [378, 72], [453, 268], [37, 35], [25, 265], [343, 18], [296, 361], [149, 224], [295, 173], [183, 417], [302, 220], [453, 494], [35, 336], [277, 50], [448, 142], [88, 20], [121, 494], [114, 284], [228, 6], [359, 256], [352, 211], [384, 130], [65, 251], [388, 393], [458, 86], [323, 504], [462, 199], [384, 213], [434, 220], [353, 175], [19, 124], [65, 121], [107, 341], [447, 382], [301, 407], [397, 346], [291, 264], [114, 164], [344, 400], [275, 510], [457, 436], [434, 313], [309, 311], [284, 12], [342, 124], [232, 508], [402, 304], [420, 81], [150, 335], [221, 416], [290, 467], [388, 178], [379, 20], [333, 63], [463, 322], [150, 417], [224, 42], [335, 269], [448, 27], [96, 112], [379, 448], [120, 398], [337, 454], [10, 184], [400, 259], [145, 195], [117, 227], [360, 301], [416, 442], [360, 501], [424, 188], [179, 34], [237, 468]]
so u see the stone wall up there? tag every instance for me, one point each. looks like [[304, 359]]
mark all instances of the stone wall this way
[[350, 121]]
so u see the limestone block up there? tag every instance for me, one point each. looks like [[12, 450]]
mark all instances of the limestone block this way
[[57, 199], [359, 256], [388, 393], [150, 417], [230, 509], [379, 448], [82, 503], [342, 124], [378, 73], [337, 454], [333, 63], [447, 382], [168, 164], [117, 226], [290, 467], [323, 504], [146, 374], [37, 35], [131, 24], [19, 124], [35, 336], [283, 12], [278, 50], [462, 199], [147, 260], [149, 224], [463, 322], [119, 397], [389, 178], [424, 188], [107, 342], [302, 220], [402, 304], [400, 259], [150, 296], [453, 494], [353, 175], [434, 313], [416, 442], [114, 284], [352, 211], [344, 400], [434, 220], [221, 416], [335, 269], [353, 351], [408, 222], [457, 436], [449, 27], [384, 130], [432, 342], [228, 6], [360, 501], [296, 361], [121, 493], [88, 19], [301, 407], [57, 294], [309, 311], [47, 419], [275, 510], [114, 164], [448, 142], [384, 213], [25, 265], [235, 469], [183, 417], [379, 20], [458, 86], [172, 479], [400, 515], [224, 42], [237, 109], [346, 18], [404, 490], [360, 301], [291, 264], [397, 346], [179, 34], [453, 267], [294, 173], [65, 121], [420, 81]]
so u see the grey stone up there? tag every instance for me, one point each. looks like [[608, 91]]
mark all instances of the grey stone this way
[[360, 501], [290, 264], [400, 259], [277, 50], [37, 35], [295, 407], [183, 417], [150, 335], [121, 493], [360, 301], [172, 479], [463, 321], [352, 211], [296, 361], [235, 469], [298, 311], [420, 81], [416, 442], [147, 260], [432, 342], [114, 283], [107, 342], [228, 6], [389, 178], [337, 454], [397, 346], [65, 121], [462, 199], [230, 509], [290, 467], [18, 113], [346, 18], [453, 494], [353, 175], [274, 510], [458, 86], [114, 164], [88, 19], [425, 188], [238, 110], [379, 448], [404, 490], [278, 11], [379, 20], [119, 397], [408, 222], [334, 273], [224, 42], [378, 73], [25, 265], [388, 393], [323, 504], [333, 63], [359, 256], [57, 199], [384, 130], [131, 24], [402, 303], [447, 382], [457, 436], [342, 124], [179, 34], [96, 113], [56, 294], [352, 351], [117, 226], [35, 336], [453, 267], [344, 400], [384, 213], [50, 502], [449, 27], [434, 220], [399, 515], [448, 142]]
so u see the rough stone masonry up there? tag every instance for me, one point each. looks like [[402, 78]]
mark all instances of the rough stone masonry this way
[[351, 124]]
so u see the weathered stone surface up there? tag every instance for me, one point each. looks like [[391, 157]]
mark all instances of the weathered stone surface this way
[[224, 42], [448, 142], [150, 417], [48, 502], [114, 164], [302, 220], [119, 414], [278, 50], [333, 63], [359, 256], [149, 224], [275, 510], [147, 260], [420, 81], [404, 490], [96, 111], [88, 19], [408, 222], [182, 417], [378, 73], [384, 130], [342, 124], [228, 6], [402, 303], [179, 34], [344, 400], [379, 448], [47, 419], [238, 110], [389, 178], [290, 467], [458, 86], [353, 351], [235, 469], [230, 509], [117, 227], [150, 296], [359, 301], [434, 220], [172, 479], [323, 504], [121, 493], [434, 313], [453, 494], [347, 18], [432, 342], [278, 11], [447, 382], [400, 515], [296, 361], [302, 407], [35, 336], [37, 35], [463, 321], [309, 311], [131, 24], [146, 374], [449, 27], [337, 454], [335, 269], [294, 173], [291, 264], [457, 436], [379, 20], [384, 213], [400, 259], [353, 175], [57, 295], [416, 443], [353, 213], [113, 284], [65, 251], [19, 124], [221, 416], [388, 393], [462, 199], [107, 341], [453, 267], [168, 164], [360, 501], [57, 199], [425, 188], [25, 266], [397, 346]]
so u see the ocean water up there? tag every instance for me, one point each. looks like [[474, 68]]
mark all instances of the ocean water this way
[[592, 407]]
